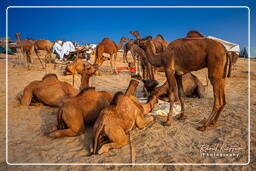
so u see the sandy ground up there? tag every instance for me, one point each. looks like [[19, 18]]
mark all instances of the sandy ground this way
[[181, 143]]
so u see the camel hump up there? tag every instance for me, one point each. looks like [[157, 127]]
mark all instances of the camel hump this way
[[117, 97], [50, 75], [85, 90], [105, 39], [194, 33], [159, 35]]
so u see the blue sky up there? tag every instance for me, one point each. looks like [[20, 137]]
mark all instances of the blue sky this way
[[92, 25]]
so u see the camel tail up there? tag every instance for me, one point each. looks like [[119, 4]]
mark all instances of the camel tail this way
[[228, 65], [96, 138]]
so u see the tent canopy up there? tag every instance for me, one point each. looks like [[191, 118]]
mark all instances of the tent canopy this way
[[228, 45]]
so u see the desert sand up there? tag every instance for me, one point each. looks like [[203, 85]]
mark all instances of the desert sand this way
[[181, 143]]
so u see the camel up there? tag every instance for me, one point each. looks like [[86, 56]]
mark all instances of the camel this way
[[46, 45], [77, 66], [233, 57], [115, 121], [80, 109], [139, 59], [160, 45], [27, 47], [88, 71], [49, 91], [191, 85], [159, 42], [185, 55], [110, 47]]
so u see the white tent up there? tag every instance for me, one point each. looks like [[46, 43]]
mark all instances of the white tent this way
[[228, 45]]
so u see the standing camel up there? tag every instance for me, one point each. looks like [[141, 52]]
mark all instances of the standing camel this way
[[26, 46], [191, 54], [46, 45], [110, 47]]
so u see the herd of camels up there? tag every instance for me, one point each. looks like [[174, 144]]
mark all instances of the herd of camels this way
[[114, 116]]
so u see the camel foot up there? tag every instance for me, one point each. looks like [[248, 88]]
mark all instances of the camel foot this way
[[182, 117], [168, 122], [103, 149], [54, 128], [201, 128], [54, 134]]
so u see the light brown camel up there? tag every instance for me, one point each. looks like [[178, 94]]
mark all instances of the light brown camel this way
[[159, 42], [80, 109], [27, 47], [115, 121], [46, 45], [160, 45], [191, 85], [49, 91], [110, 47], [77, 66], [233, 57], [189, 54]]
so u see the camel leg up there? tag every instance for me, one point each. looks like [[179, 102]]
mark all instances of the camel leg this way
[[180, 90], [219, 102], [222, 100], [117, 137], [111, 65], [64, 132], [170, 75], [115, 55], [39, 59], [141, 122]]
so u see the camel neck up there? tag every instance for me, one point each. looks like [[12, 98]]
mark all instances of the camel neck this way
[[154, 59], [84, 81], [132, 87], [120, 45]]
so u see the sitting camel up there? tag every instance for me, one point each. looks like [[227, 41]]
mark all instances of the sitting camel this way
[[77, 66], [81, 109], [110, 47], [191, 54], [118, 119], [49, 91], [191, 86]]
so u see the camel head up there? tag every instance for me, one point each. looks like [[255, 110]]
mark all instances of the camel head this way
[[99, 61], [17, 35], [146, 42], [124, 39], [90, 70], [136, 34]]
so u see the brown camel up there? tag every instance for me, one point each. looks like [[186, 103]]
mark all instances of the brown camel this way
[[233, 57], [77, 66], [80, 109], [46, 45], [49, 91], [89, 71], [159, 46], [27, 47], [159, 42], [191, 54], [115, 121], [110, 47], [191, 85]]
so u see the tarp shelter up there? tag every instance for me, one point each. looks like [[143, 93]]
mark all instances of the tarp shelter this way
[[244, 52], [228, 45]]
